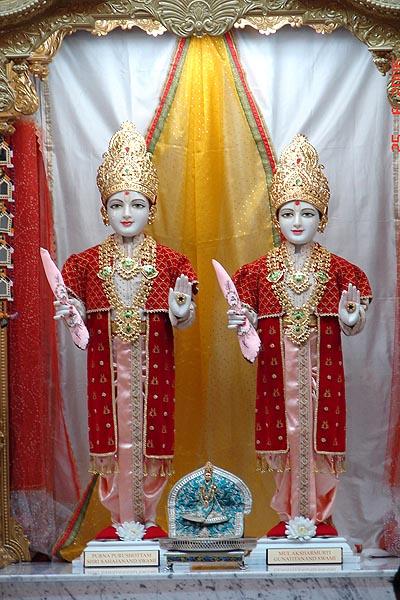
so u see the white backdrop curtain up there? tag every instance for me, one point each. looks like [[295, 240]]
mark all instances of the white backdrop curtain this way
[[324, 86]]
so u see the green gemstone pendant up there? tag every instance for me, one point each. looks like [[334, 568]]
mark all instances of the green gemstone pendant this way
[[299, 281], [149, 271], [105, 272], [274, 276], [322, 276], [299, 315], [127, 263]]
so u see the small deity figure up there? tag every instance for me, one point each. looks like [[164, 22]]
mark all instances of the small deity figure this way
[[208, 503], [208, 510], [131, 291], [301, 297]]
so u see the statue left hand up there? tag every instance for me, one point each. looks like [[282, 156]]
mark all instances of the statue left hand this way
[[349, 306], [180, 297]]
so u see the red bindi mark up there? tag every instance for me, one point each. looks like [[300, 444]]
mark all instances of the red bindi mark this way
[[126, 193], [297, 202]]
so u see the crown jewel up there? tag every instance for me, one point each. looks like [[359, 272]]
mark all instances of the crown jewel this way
[[299, 176], [127, 165]]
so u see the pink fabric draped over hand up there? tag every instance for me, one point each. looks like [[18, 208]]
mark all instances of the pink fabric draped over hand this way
[[77, 327], [249, 340]]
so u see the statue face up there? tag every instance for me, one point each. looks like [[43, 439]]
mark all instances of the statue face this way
[[128, 213], [298, 221]]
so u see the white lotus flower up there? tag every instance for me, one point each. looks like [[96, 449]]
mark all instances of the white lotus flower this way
[[130, 530], [300, 528]]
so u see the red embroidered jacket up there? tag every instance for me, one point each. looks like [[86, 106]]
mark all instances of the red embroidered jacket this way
[[330, 416], [80, 276]]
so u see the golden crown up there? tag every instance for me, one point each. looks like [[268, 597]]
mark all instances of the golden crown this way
[[127, 165], [299, 176]]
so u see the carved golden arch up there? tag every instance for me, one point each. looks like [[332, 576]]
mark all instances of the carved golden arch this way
[[32, 31]]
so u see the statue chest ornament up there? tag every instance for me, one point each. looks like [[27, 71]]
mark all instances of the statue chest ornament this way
[[282, 274], [127, 324]]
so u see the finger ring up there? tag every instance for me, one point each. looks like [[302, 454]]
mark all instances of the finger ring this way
[[351, 307], [180, 298]]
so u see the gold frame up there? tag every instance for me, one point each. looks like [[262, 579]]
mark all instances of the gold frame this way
[[32, 31]]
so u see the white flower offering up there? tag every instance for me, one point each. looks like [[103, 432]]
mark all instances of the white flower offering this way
[[301, 529], [130, 530]]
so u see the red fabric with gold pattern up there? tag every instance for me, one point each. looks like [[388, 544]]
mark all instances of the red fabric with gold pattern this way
[[270, 399], [80, 276], [330, 428], [160, 397], [330, 432], [256, 291], [101, 422], [341, 273]]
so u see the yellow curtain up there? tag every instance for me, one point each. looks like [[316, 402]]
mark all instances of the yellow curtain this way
[[213, 203]]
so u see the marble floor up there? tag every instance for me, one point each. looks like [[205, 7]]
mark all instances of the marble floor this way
[[371, 580]]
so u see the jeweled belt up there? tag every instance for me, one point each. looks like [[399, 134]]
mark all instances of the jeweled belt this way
[[115, 328]]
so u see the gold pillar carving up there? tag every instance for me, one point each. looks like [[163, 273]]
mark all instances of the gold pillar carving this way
[[14, 546], [40, 58], [17, 94], [382, 59]]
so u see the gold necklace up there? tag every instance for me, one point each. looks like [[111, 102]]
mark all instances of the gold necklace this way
[[127, 319], [297, 279], [128, 266], [297, 320]]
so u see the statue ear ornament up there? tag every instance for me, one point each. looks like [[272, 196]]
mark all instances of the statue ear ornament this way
[[152, 214], [323, 221], [104, 216]]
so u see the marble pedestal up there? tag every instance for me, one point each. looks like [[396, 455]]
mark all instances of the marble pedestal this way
[[322, 546], [369, 580]]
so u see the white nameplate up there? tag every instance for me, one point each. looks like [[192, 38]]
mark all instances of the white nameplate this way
[[301, 556], [314, 568], [121, 558], [122, 570]]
